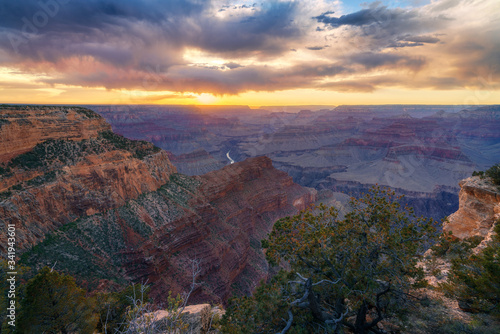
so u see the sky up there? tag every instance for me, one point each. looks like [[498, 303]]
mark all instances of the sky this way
[[278, 52]]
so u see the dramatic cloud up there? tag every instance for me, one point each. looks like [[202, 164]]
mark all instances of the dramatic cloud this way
[[229, 47]]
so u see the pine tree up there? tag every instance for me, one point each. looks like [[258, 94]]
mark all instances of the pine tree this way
[[53, 303]]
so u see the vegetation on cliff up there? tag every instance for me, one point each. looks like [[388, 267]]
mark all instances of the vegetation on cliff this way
[[474, 278], [350, 272], [53, 303], [55, 153], [50, 156], [357, 273], [12, 107], [493, 173], [92, 248]]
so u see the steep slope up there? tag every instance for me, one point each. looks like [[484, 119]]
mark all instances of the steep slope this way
[[195, 163], [218, 218], [76, 167], [479, 209]]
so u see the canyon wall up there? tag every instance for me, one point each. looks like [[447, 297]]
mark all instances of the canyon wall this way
[[217, 219], [110, 211], [65, 164]]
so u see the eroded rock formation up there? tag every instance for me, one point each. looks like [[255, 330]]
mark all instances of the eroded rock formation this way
[[479, 209], [21, 128], [218, 219], [65, 164]]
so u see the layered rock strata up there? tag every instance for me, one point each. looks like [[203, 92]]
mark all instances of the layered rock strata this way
[[217, 219], [22, 127]]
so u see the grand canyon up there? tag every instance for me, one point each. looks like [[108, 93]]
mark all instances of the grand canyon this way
[[227, 167], [420, 151]]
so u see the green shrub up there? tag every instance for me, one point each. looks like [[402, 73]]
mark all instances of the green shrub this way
[[5, 194], [473, 279], [53, 303], [494, 173], [4, 121], [5, 171], [341, 269], [42, 179], [113, 307], [451, 247], [56, 153], [139, 148]]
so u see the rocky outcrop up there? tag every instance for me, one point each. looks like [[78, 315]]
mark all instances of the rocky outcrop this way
[[479, 209], [63, 163], [99, 183], [22, 127], [198, 318], [217, 219]]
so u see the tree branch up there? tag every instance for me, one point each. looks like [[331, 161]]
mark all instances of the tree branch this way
[[288, 324]]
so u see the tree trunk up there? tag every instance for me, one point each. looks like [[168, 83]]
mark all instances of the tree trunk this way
[[359, 325], [313, 303]]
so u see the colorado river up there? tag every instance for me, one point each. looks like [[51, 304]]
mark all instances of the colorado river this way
[[230, 160]]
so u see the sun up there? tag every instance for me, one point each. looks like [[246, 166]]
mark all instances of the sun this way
[[206, 98]]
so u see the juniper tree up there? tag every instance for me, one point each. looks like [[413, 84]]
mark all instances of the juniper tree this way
[[349, 271], [53, 303]]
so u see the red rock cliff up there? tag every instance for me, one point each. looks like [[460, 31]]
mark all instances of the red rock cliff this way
[[21, 128], [79, 174], [218, 218]]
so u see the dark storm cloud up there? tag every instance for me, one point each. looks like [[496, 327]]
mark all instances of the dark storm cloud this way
[[140, 44], [372, 60], [207, 79], [404, 44], [85, 16], [232, 65], [315, 48], [375, 14], [122, 33], [266, 31], [420, 39], [144, 44], [411, 41], [52, 29], [381, 27]]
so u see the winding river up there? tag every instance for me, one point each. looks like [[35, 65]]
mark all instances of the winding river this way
[[230, 159]]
